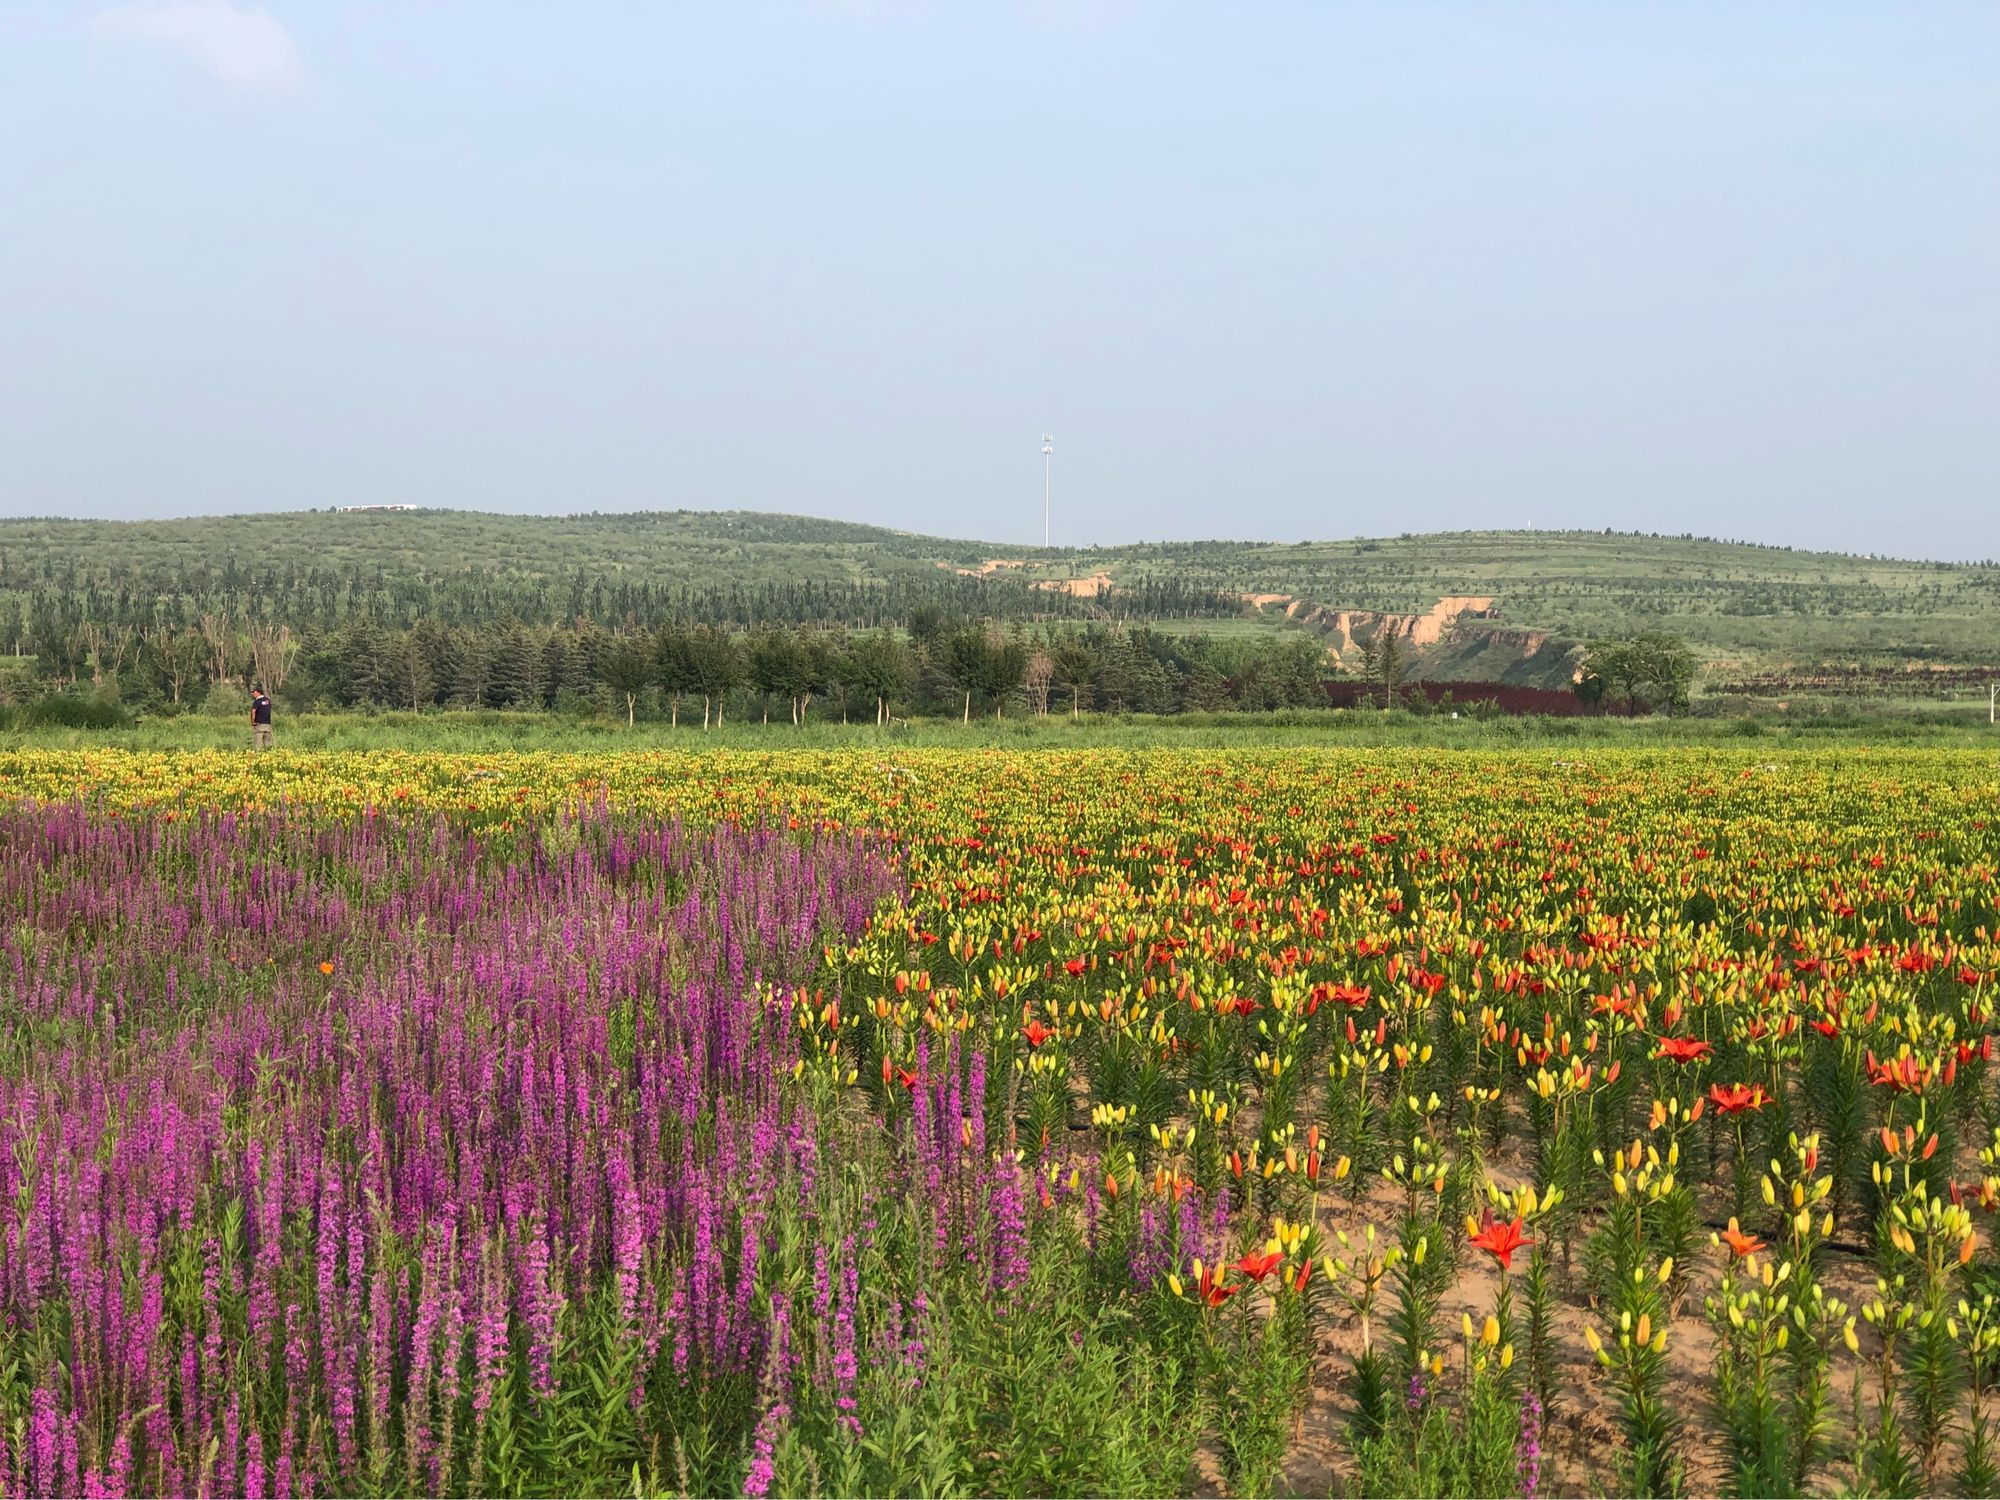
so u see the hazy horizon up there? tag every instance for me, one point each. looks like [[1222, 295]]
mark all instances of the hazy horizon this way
[[1291, 272]]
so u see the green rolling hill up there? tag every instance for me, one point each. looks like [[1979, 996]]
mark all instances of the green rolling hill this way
[[1493, 606]]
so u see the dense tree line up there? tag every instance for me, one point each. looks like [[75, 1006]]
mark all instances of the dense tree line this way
[[42, 601], [687, 671]]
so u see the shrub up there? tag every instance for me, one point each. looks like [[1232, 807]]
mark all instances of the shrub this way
[[69, 711]]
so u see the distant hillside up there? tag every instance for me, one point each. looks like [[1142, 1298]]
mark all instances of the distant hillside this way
[[1493, 606]]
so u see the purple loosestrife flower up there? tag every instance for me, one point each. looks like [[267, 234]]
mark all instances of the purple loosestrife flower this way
[[1151, 1258], [677, 1318], [803, 1150], [489, 1346], [1187, 1233], [704, 1292], [253, 1467], [573, 1068], [1528, 1449], [447, 1388], [975, 1088], [232, 1427], [627, 1233], [916, 1354], [1007, 1211], [431, 1296], [777, 1410], [845, 1365], [72, 1445], [539, 1308], [45, 1475], [822, 1302], [1218, 1226], [757, 1481], [118, 1481], [381, 1328]]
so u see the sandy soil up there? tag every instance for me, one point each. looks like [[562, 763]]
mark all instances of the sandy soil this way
[[1581, 1446]]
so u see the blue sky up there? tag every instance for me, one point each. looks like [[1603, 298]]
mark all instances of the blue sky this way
[[1268, 270]]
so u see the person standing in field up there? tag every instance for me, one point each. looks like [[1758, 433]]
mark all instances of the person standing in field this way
[[260, 720]]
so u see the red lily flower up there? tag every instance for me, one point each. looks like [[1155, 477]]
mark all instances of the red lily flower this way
[[1210, 1288], [1902, 1074], [1743, 1244], [1500, 1240], [1257, 1267], [1736, 1098], [1684, 1049], [1037, 1033]]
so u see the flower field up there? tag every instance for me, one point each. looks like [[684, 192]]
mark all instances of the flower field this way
[[978, 1122]]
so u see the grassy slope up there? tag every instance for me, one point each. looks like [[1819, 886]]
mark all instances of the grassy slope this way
[[680, 547], [1745, 607], [1961, 728]]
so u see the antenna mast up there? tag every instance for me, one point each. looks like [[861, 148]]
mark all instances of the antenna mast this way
[[1048, 458]]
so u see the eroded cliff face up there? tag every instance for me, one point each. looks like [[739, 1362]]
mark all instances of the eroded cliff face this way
[[1351, 629], [1527, 642], [1456, 637]]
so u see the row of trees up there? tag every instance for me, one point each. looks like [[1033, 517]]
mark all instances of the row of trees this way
[[40, 604], [937, 666]]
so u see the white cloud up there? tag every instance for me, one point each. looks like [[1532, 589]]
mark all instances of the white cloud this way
[[241, 45]]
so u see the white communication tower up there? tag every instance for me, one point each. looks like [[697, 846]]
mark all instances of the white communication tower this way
[[1048, 458]]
